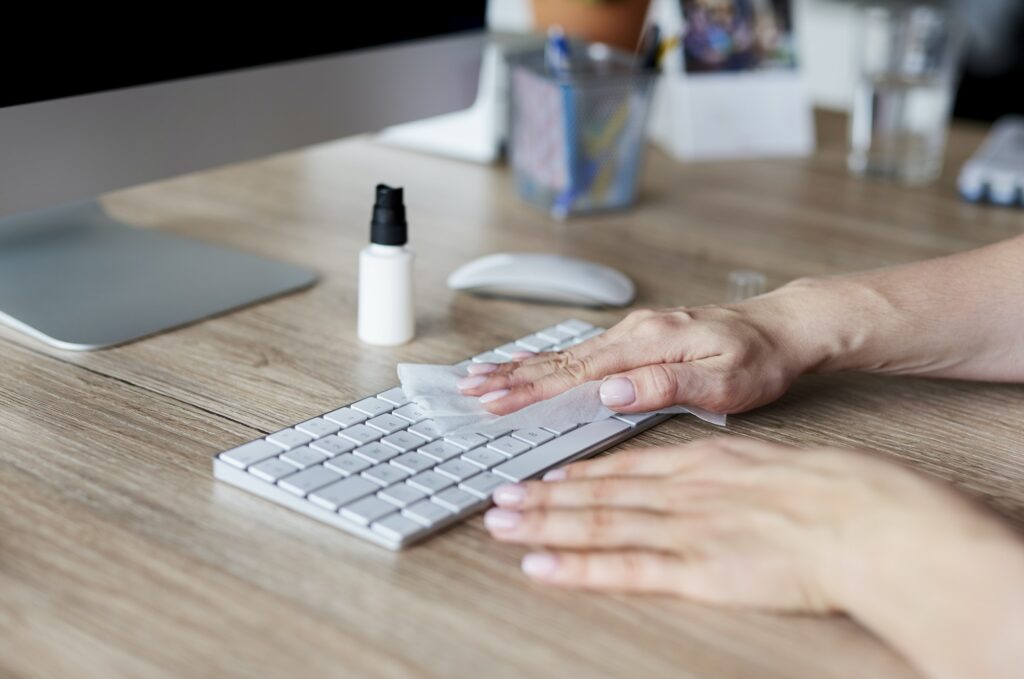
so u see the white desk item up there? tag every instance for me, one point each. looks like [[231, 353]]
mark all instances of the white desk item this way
[[543, 277], [995, 173], [759, 112], [377, 468]]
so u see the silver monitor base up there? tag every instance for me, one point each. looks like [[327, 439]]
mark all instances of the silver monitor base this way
[[77, 279]]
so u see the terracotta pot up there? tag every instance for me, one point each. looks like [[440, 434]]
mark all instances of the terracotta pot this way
[[616, 22]]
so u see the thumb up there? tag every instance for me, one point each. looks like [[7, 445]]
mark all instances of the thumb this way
[[657, 386]]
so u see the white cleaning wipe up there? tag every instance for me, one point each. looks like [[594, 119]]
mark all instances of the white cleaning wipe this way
[[433, 389]]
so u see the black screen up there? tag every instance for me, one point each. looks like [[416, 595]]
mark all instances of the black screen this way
[[106, 55]]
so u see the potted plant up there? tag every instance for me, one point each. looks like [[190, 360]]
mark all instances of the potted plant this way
[[615, 22]]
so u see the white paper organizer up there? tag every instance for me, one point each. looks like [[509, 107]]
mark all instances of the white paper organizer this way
[[727, 115]]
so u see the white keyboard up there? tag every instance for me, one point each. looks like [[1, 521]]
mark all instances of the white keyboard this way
[[378, 469]]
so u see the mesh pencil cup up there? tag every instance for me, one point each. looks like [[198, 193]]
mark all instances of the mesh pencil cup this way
[[577, 136]]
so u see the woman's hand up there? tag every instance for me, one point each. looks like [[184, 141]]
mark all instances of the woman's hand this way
[[722, 359], [740, 522]]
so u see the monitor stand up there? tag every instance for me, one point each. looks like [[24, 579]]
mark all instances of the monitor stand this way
[[77, 279]]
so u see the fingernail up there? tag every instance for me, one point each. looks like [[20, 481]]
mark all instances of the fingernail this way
[[540, 564], [493, 395], [520, 355], [510, 495], [617, 391], [501, 519], [470, 382], [481, 368], [555, 475]]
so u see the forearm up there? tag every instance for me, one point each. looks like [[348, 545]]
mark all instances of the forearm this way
[[960, 316]]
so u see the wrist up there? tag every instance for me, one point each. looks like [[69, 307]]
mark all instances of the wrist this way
[[816, 323], [948, 593]]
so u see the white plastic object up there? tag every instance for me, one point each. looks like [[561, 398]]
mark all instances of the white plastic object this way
[[544, 277], [386, 316], [995, 173]]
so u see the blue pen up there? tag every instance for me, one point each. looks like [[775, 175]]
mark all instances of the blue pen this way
[[556, 51]]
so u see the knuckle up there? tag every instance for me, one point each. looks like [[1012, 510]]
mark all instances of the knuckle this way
[[602, 489], [663, 383], [601, 520], [635, 566]]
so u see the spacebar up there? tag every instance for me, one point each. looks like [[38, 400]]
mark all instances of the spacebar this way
[[564, 448]]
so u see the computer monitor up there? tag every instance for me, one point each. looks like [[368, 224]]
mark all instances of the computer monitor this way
[[167, 98]]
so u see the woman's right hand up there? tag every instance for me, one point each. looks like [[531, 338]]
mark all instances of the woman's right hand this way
[[725, 359]]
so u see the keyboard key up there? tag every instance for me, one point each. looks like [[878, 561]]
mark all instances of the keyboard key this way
[[396, 527], [377, 452], [636, 418], [466, 441], [411, 412], [346, 417], [460, 470], [332, 445], [440, 451], [565, 429], [491, 357], [593, 332], [509, 446], [402, 494], [318, 427], [426, 512], [343, 492], [403, 441], [273, 469], [455, 499], [367, 510], [496, 434], [565, 448], [426, 429], [373, 406], [308, 480], [395, 397], [348, 464], [484, 458], [361, 434], [482, 485], [430, 481], [303, 457], [413, 462], [509, 350], [385, 474], [534, 436], [289, 438], [250, 453], [556, 334], [575, 327], [388, 424], [534, 343]]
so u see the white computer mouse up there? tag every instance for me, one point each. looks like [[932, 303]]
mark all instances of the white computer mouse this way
[[542, 277]]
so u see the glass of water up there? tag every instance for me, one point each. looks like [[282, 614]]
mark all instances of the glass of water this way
[[908, 56]]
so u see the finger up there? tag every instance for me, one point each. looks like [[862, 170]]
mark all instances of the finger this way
[[636, 492], [528, 370], [660, 385], [621, 571], [640, 462], [597, 527], [569, 371]]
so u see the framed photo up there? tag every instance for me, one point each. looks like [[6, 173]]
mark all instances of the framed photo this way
[[737, 35], [736, 89]]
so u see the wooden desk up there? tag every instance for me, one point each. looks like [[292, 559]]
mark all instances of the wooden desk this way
[[121, 556]]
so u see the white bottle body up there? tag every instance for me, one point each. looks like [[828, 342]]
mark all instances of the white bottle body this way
[[386, 316]]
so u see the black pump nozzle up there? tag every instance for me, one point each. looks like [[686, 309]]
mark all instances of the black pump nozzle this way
[[388, 226]]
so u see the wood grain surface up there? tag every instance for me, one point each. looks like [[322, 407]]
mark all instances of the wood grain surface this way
[[121, 556]]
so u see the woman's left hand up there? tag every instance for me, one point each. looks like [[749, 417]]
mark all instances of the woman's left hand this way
[[741, 522]]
